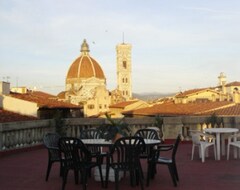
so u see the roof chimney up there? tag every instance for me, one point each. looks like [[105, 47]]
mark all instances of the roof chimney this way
[[4, 88]]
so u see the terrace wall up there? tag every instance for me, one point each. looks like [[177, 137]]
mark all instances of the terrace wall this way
[[23, 134]]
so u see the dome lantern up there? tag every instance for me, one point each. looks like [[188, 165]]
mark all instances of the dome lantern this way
[[85, 47]]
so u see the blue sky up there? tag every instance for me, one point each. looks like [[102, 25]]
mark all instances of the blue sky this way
[[176, 44]]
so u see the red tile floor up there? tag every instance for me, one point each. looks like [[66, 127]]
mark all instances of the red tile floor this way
[[26, 171]]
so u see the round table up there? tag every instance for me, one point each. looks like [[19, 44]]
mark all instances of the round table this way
[[103, 142], [218, 132]]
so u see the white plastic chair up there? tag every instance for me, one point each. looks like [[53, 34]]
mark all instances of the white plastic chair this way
[[232, 141], [203, 141]]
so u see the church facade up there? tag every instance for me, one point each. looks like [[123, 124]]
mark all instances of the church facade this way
[[86, 82]]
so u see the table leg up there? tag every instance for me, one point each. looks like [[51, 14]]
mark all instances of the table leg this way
[[235, 148], [223, 144], [218, 145]]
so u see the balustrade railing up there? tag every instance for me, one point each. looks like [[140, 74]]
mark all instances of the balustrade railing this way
[[23, 134], [29, 133]]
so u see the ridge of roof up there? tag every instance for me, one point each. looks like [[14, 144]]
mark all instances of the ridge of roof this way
[[43, 99], [233, 110], [178, 109], [234, 83], [7, 116], [123, 104], [193, 91]]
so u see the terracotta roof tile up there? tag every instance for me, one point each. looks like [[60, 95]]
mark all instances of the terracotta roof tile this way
[[235, 83], [7, 116], [61, 95], [122, 104], [228, 111], [171, 109], [43, 100], [85, 67], [193, 91]]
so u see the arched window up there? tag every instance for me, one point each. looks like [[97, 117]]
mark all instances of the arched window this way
[[126, 80], [90, 106], [124, 64], [123, 80]]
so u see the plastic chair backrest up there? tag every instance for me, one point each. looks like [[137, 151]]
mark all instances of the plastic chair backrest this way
[[74, 151], [90, 134], [196, 137], [50, 140], [127, 150], [175, 148], [147, 133]]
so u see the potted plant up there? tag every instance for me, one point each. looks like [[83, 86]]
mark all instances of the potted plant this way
[[114, 129], [215, 121], [60, 127], [159, 124]]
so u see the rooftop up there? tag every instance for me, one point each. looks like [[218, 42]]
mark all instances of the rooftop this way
[[43, 99], [123, 104], [172, 109], [7, 116], [26, 171]]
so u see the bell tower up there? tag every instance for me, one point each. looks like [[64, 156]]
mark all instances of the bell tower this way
[[222, 82], [124, 70]]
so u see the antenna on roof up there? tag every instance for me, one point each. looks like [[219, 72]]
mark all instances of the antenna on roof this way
[[6, 78], [16, 81], [123, 37]]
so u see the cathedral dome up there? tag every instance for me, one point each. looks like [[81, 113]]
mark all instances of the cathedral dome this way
[[85, 66]]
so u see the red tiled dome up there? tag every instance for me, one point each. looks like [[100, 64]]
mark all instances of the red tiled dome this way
[[85, 66]]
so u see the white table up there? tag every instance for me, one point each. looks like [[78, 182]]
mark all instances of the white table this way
[[103, 142], [218, 132]]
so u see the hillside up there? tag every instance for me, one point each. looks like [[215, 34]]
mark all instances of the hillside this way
[[151, 96]]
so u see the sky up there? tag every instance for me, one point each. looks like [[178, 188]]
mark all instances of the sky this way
[[177, 45]]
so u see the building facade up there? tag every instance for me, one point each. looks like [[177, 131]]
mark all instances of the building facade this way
[[124, 70], [86, 84]]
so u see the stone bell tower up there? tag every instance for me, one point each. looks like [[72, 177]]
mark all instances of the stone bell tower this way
[[124, 70], [222, 82]]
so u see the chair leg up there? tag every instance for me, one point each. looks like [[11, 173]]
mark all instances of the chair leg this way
[[116, 173], [101, 176], [141, 178], [171, 170], [152, 167], [132, 178], [65, 173], [228, 151], [202, 153], [215, 153], [48, 169], [175, 171], [193, 148], [107, 174], [76, 176], [85, 174]]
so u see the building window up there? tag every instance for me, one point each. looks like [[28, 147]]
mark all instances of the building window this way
[[123, 80], [126, 80], [90, 106], [124, 64], [126, 92], [123, 93], [100, 106]]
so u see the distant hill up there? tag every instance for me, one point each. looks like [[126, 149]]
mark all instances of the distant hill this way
[[149, 96]]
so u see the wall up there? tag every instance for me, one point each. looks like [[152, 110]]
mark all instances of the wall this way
[[20, 106], [29, 133], [4, 88]]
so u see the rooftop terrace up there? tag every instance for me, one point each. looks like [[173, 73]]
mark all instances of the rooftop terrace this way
[[26, 171]]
